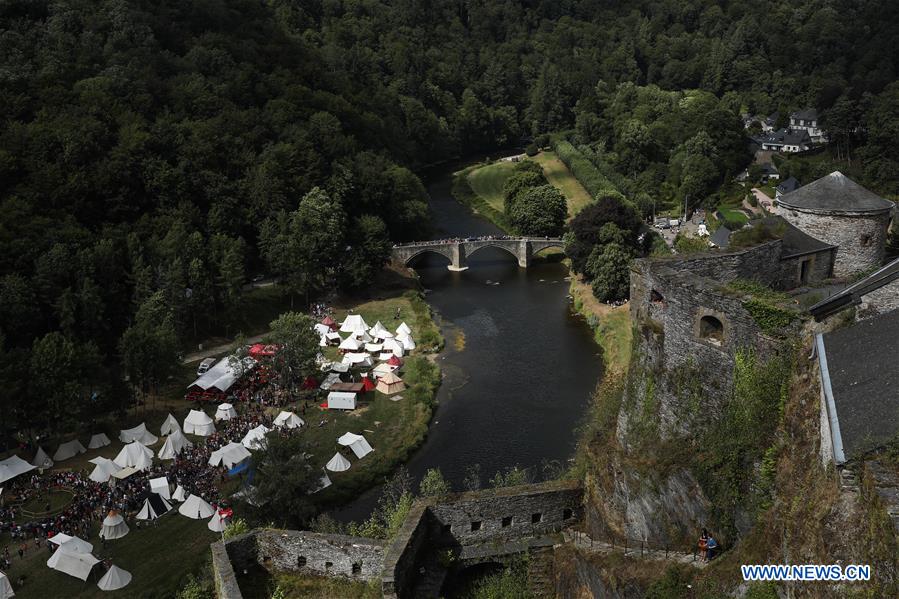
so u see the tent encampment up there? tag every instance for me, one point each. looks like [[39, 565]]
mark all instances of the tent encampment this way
[[180, 494], [41, 459], [68, 450], [339, 400], [169, 426], [194, 507], [373, 348], [390, 383], [383, 368], [255, 438], [222, 375], [12, 467], [114, 579], [357, 443], [97, 441], [407, 341], [379, 332], [174, 445], [218, 523], [154, 507], [338, 463], [394, 346], [160, 486], [5, 587], [230, 454], [113, 526], [352, 323], [288, 420], [198, 423], [136, 455], [138, 433], [103, 470], [349, 344], [78, 565], [225, 411], [403, 329]]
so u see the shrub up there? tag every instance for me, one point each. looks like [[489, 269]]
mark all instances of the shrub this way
[[585, 171], [532, 150]]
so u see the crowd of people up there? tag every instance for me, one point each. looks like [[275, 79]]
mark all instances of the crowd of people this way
[[462, 239]]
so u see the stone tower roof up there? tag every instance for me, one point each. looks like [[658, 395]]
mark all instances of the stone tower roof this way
[[835, 193]]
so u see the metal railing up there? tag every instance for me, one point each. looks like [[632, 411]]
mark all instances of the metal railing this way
[[627, 544]]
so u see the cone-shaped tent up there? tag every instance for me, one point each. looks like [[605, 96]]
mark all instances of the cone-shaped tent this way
[[403, 329], [288, 420], [392, 345], [154, 507], [390, 384], [338, 463], [255, 439], [357, 443], [5, 587], [97, 441], [367, 383], [180, 494], [329, 322], [41, 459], [68, 450], [114, 579], [113, 527], [198, 423], [138, 433], [217, 523], [195, 508], [169, 426], [225, 411], [349, 344], [174, 445], [407, 341], [135, 455], [395, 361], [103, 470], [352, 322]]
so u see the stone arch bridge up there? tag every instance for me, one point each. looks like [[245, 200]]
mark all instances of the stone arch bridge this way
[[458, 250]]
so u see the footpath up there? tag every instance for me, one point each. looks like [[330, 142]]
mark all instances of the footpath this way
[[635, 550], [217, 350]]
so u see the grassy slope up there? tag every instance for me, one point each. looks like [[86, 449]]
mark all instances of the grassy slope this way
[[488, 182], [558, 174], [611, 326]]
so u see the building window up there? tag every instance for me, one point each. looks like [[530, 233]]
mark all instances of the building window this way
[[476, 526], [301, 561], [357, 569], [536, 518], [567, 513], [507, 522], [711, 330], [447, 528], [866, 240], [328, 566], [656, 297]]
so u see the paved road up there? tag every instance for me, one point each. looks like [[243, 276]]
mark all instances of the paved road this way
[[217, 350]]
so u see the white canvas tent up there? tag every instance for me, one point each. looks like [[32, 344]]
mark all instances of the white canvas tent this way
[[154, 507], [403, 329], [198, 423], [352, 323], [195, 508], [5, 587], [394, 346], [357, 358], [323, 483], [160, 486], [322, 329], [357, 443], [12, 467], [349, 344], [390, 384], [338, 463], [125, 473], [114, 579], [70, 544], [78, 565], [169, 426], [373, 348], [333, 336], [217, 523], [407, 341], [138, 433], [97, 441], [223, 374], [180, 494], [135, 455], [174, 445], [341, 400], [103, 470], [379, 332], [230, 454], [225, 411], [68, 450], [113, 527], [383, 368], [255, 438], [288, 420], [41, 459], [338, 367]]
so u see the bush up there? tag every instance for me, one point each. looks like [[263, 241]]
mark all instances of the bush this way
[[689, 245], [520, 184], [532, 150], [585, 171]]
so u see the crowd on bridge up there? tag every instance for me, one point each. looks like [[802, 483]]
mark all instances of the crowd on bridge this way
[[465, 239]]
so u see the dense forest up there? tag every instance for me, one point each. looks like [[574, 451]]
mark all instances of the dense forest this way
[[155, 154]]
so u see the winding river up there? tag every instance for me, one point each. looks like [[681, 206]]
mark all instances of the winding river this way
[[519, 367]]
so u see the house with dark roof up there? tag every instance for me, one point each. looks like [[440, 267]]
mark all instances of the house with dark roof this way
[[807, 120], [786, 140], [786, 186], [859, 388]]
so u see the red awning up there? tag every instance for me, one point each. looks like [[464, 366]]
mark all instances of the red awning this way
[[257, 350], [368, 384], [395, 361], [329, 322]]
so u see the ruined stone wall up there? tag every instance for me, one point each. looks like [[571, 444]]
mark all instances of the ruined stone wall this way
[[403, 553], [756, 263], [861, 237], [306, 552], [879, 301], [820, 267]]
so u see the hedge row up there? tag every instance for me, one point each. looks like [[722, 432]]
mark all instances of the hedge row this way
[[583, 170]]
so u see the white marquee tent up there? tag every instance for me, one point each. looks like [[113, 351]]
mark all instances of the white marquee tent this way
[[349, 344], [103, 470], [322, 329], [225, 411], [138, 433], [114, 579], [196, 508], [68, 450], [160, 486], [174, 445], [288, 420], [394, 346], [379, 332], [169, 426], [357, 443], [78, 565], [217, 523], [373, 348], [383, 368], [71, 544], [338, 463], [341, 400], [113, 526], [403, 329], [97, 441], [12, 467], [407, 341], [390, 384], [41, 459], [352, 323], [198, 423], [223, 374], [154, 507], [5, 587], [357, 358], [230, 454], [179, 495], [255, 438], [136, 455]]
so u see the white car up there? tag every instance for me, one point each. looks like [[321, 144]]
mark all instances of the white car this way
[[205, 365]]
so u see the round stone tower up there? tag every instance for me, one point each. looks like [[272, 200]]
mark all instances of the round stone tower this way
[[837, 210]]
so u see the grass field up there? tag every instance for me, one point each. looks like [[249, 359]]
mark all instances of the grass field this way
[[611, 326], [488, 182], [558, 174], [733, 214]]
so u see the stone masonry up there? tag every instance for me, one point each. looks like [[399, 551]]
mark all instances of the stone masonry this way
[[458, 250]]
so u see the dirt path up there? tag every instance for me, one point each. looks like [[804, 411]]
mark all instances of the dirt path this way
[[217, 350]]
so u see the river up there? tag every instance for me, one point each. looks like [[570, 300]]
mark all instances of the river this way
[[519, 367]]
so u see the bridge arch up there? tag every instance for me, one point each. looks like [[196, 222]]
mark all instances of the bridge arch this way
[[538, 247], [411, 256], [477, 248]]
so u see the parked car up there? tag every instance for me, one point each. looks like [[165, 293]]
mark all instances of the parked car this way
[[204, 366]]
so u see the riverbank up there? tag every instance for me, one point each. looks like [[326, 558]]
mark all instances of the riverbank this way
[[611, 326]]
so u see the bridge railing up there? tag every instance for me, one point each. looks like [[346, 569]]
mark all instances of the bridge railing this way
[[637, 546], [473, 239]]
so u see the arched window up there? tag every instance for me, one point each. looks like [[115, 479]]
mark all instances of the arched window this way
[[711, 329], [301, 561], [656, 297]]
